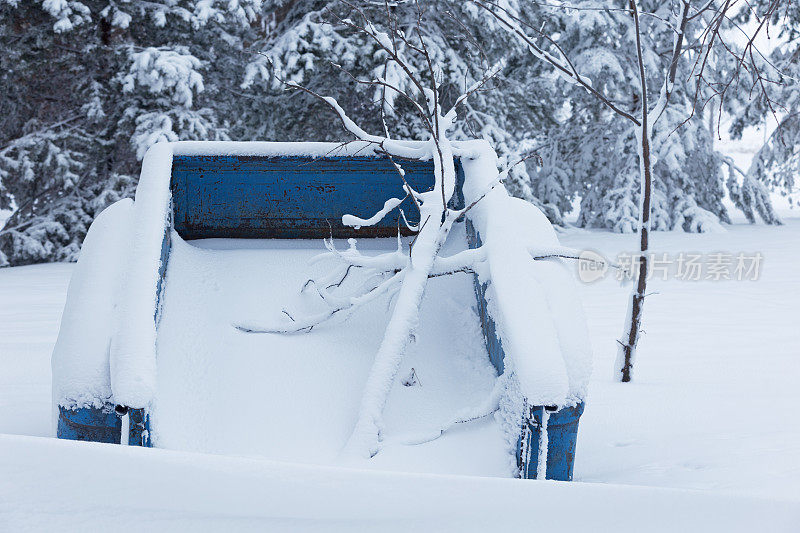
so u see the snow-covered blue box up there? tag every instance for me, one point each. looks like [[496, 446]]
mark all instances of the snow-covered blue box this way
[[300, 191]]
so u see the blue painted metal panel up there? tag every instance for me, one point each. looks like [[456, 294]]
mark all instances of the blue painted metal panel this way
[[562, 438], [493, 345], [102, 425], [166, 247], [291, 197]]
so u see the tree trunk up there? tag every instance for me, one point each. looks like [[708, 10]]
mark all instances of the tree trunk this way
[[627, 350]]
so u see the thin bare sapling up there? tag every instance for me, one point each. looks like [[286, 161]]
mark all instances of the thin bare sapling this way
[[710, 17]]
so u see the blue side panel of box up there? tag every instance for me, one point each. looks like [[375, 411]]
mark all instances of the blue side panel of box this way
[[562, 439]]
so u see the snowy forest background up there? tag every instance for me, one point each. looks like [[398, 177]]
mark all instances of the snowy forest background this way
[[87, 86]]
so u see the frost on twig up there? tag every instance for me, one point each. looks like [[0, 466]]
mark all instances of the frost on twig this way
[[412, 380]]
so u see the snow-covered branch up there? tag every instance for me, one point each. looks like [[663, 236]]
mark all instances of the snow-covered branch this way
[[357, 223], [669, 79]]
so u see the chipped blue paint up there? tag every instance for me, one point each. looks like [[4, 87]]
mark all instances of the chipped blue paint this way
[[292, 197], [166, 246], [493, 345], [102, 425], [562, 438]]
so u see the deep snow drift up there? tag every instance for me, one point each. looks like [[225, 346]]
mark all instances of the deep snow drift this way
[[295, 397], [51, 485]]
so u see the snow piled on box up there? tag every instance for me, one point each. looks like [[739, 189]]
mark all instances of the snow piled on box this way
[[80, 360], [295, 397], [534, 303], [133, 346]]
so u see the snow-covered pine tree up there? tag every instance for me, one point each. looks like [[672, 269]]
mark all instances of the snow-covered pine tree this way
[[597, 150], [87, 86], [776, 164]]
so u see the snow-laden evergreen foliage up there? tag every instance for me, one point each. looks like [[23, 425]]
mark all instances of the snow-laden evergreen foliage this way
[[592, 152], [88, 85], [777, 164]]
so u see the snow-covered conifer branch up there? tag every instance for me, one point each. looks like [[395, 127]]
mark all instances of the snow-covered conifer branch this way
[[747, 59], [669, 79], [490, 74], [563, 66]]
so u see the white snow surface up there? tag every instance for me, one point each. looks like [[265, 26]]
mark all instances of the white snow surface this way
[[31, 303], [80, 362], [259, 148], [296, 397], [51, 485], [535, 305], [711, 415]]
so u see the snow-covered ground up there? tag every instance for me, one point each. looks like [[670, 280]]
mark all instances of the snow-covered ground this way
[[715, 396], [712, 413], [31, 301], [50, 485]]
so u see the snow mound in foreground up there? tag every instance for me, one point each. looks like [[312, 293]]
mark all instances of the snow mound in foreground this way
[[50, 485]]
